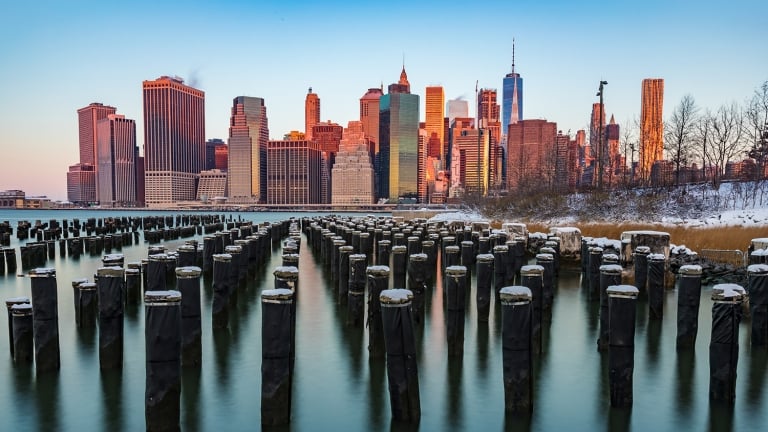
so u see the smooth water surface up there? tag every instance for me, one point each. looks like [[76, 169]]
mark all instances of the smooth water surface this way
[[337, 388]]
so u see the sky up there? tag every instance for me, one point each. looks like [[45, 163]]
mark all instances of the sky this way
[[57, 57]]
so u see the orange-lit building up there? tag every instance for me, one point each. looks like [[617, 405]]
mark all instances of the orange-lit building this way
[[311, 113], [651, 125], [531, 154]]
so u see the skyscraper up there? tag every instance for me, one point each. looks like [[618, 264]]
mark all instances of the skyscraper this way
[[488, 113], [327, 135], [369, 115], [651, 125], [116, 172], [531, 154], [215, 154], [248, 137], [597, 142], [398, 161], [311, 113], [435, 113], [293, 168], [512, 97], [85, 171], [174, 140], [353, 172]]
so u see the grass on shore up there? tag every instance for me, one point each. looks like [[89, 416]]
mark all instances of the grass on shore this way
[[696, 239]]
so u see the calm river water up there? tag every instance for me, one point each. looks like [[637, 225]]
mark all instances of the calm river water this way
[[337, 388]]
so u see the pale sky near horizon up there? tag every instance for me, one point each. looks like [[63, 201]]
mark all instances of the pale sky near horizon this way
[[59, 56]]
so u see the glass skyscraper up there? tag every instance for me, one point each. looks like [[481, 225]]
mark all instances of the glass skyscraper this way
[[399, 135], [512, 91]]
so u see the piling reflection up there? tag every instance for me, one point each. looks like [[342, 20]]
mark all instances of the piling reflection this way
[[720, 416], [756, 376], [190, 398], [112, 399], [454, 396], [686, 368], [619, 419], [47, 400]]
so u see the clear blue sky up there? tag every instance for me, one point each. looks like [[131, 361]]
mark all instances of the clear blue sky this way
[[58, 56]]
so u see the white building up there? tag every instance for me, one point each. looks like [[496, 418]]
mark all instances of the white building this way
[[353, 177]]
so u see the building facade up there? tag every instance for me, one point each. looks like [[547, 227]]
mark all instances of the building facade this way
[[512, 97], [651, 125], [81, 184], [88, 118], [353, 177], [531, 154], [435, 115], [174, 140], [212, 185], [116, 171], [293, 170], [216, 154], [311, 113], [398, 161], [247, 159]]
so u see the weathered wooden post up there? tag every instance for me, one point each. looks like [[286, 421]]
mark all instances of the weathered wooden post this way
[[45, 319], [610, 275], [724, 343], [110, 286], [622, 301], [532, 277], [757, 277], [485, 264], [656, 264], [276, 347], [378, 281], [688, 299], [456, 296], [400, 344], [516, 343], [188, 284], [162, 336]]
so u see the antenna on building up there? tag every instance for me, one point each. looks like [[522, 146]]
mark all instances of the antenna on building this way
[[513, 56], [310, 90]]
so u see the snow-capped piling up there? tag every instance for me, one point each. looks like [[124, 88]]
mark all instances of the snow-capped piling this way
[[110, 286], [467, 255], [400, 344], [757, 276], [188, 284], [656, 265], [451, 256], [547, 262], [622, 308], [399, 265], [288, 278], [45, 315], [688, 299], [724, 343], [417, 284], [485, 264], [500, 258], [532, 277], [456, 298], [356, 296], [156, 272], [162, 336], [641, 267], [383, 252], [276, 347], [517, 344], [186, 256], [610, 275], [378, 281]]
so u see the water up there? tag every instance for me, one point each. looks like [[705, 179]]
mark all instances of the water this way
[[337, 388]]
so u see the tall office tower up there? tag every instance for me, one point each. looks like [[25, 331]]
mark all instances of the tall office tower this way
[[213, 154], [327, 135], [87, 118], [488, 113], [470, 159], [398, 161], [512, 97], [353, 172], [369, 115], [293, 168], [248, 137], [457, 108], [596, 125], [530, 154], [311, 113], [116, 172], [421, 178], [174, 140], [560, 178], [435, 114], [612, 137], [651, 125]]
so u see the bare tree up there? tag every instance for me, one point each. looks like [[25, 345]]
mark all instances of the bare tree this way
[[629, 144], [727, 130], [679, 134], [756, 118]]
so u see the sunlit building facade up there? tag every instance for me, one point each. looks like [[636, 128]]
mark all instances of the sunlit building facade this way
[[435, 114], [651, 125], [247, 162], [311, 113], [531, 154], [174, 140], [398, 161], [117, 153], [293, 168], [353, 177]]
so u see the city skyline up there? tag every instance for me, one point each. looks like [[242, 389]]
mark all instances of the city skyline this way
[[52, 62]]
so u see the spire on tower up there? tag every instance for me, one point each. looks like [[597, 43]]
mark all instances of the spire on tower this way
[[513, 55], [612, 120]]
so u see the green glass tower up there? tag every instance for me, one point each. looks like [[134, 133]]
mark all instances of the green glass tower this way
[[398, 159]]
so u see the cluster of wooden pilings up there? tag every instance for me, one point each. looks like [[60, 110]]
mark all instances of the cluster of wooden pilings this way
[[169, 284]]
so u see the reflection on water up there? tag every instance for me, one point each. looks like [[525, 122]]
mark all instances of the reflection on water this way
[[337, 387]]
